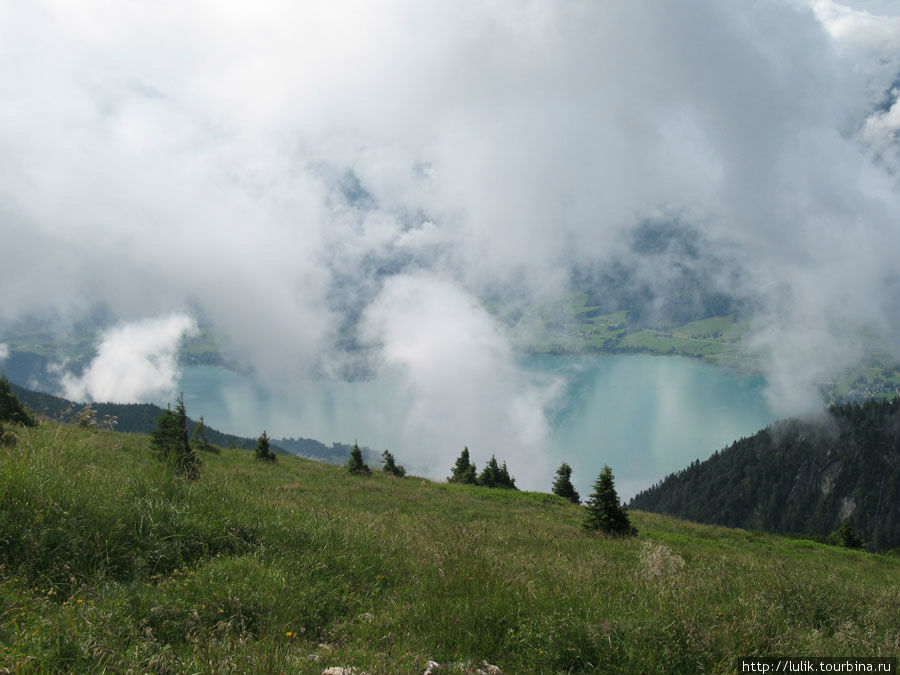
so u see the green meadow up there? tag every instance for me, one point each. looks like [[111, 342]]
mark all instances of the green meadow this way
[[109, 563]]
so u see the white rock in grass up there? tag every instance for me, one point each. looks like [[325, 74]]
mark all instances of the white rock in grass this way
[[487, 669]]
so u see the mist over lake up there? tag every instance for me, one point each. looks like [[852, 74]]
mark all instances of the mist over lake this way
[[644, 415]]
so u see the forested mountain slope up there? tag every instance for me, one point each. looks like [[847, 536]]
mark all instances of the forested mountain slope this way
[[802, 476]]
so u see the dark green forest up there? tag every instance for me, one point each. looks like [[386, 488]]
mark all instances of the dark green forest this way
[[798, 476]]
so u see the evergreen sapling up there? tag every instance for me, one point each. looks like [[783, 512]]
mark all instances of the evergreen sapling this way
[[604, 512], [562, 484], [490, 475], [355, 464], [463, 470], [263, 451], [170, 441], [199, 440], [390, 465]]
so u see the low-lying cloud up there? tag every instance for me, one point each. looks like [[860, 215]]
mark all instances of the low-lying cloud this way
[[459, 375], [135, 362], [316, 180]]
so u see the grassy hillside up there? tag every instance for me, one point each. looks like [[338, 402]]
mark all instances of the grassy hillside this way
[[107, 563]]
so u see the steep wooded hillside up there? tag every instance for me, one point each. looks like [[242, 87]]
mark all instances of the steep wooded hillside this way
[[802, 476]]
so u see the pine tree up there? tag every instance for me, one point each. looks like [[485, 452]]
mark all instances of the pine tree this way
[[847, 537], [463, 470], [562, 485], [355, 464], [263, 452], [390, 466], [490, 475], [199, 440], [164, 436], [471, 475], [170, 440], [11, 409], [504, 480], [603, 509]]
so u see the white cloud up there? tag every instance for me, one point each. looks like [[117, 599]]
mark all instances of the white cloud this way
[[135, 362], [4, 352], [457, 371], [156, 156]]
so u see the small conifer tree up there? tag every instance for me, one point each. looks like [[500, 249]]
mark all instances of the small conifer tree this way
[[390, 466], [170, 440], [847, 536], [604, 512], [490, 475], [11, 409], [263, 451], [163, 437], [471, 475], [562, 484], [504, 480], [355, 464], [199, 440], [463, 471]]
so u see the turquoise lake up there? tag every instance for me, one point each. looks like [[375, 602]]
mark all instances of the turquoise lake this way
[[645, 416]]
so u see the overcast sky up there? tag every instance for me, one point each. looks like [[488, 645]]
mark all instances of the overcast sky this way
[[283, 170]]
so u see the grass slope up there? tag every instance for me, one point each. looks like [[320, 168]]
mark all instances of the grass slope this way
[[107, 563]]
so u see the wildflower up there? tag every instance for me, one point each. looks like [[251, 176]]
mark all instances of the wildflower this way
[[79, 601], [289, 634]]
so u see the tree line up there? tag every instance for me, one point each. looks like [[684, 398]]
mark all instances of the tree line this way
[[604, 512]]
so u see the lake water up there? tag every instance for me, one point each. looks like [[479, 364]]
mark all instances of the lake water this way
[[645, 416]]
